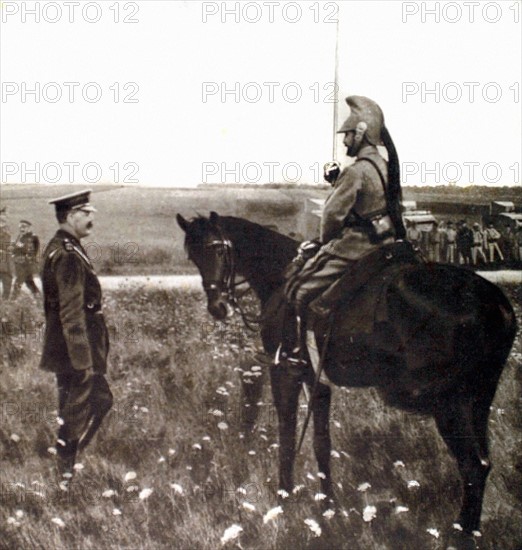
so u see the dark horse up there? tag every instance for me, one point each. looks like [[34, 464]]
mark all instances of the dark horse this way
[[440, 351]]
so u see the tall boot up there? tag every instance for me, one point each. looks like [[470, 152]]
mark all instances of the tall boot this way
[[293, 346]]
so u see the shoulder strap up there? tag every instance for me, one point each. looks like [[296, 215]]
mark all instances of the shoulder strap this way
[[374, 164]]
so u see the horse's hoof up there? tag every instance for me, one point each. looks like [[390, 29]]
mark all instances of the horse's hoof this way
[[458, 540]]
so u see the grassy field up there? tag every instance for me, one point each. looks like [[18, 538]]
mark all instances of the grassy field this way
[[174, 468]]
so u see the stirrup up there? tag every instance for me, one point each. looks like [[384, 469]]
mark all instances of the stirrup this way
[[283, 358]]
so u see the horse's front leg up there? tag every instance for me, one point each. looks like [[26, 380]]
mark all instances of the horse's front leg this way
[[286, 385], [322, 440]]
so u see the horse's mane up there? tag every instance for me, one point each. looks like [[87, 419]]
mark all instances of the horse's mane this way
[[261, 252]]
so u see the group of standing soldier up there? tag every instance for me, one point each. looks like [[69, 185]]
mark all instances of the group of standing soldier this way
[[458, 243], [22, 253]]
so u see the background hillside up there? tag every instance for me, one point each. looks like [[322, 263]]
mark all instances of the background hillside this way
[[136, 230]]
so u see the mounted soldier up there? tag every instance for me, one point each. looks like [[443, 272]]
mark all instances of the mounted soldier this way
[[361, 214]]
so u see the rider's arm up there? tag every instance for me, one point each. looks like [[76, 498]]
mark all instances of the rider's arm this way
[[339, 203]]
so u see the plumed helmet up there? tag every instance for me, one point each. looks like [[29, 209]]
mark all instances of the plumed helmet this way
[[364, 111]]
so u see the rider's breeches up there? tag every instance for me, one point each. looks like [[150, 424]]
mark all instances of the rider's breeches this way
[[317, 275]]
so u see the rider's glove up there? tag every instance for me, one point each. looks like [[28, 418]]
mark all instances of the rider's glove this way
[[331, 171]]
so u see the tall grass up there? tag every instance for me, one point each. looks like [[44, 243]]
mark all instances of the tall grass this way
[[178, 424]]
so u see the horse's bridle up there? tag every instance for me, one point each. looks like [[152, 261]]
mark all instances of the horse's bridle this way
[[228, 282]]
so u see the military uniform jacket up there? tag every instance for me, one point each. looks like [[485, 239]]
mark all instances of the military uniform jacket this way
[[358, 189], [5, 251], [26, 248], [76, 336]]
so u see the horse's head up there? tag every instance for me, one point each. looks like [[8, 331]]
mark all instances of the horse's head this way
[[210, 249]]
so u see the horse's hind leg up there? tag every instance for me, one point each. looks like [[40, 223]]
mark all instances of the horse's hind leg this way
[[322, 440], [457, 424]]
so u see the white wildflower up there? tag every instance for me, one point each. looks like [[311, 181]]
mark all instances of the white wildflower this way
[[58, 521], [129, 476], [231, 533], [369, 513], [78, 466], [272, 514], [248, 506], [282, 493], [108, 493], [145, 493], [398, 464], [363, 487], [197, 446], [433, 532], [412, 483], [400, 509], [329, 514], [51, 450], [19, 514], [319, 496], [314, 527], [116, 512], [15, 438], [177, 488], [334, 454], [222, 426]]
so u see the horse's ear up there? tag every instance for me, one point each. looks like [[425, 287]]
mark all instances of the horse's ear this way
[[182, 222], [214, 218]]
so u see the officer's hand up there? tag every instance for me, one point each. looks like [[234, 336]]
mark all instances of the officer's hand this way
[[331, 171], [86, 375]]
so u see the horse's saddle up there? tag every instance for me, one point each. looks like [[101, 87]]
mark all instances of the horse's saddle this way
[[361, 289]]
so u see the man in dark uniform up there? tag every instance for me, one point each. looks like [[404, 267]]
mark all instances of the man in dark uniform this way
[[464, 243], [5, 256], [361, 214], [76, 341], [25, 254]]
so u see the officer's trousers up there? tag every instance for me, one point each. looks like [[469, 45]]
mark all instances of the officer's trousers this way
[[78, 404]]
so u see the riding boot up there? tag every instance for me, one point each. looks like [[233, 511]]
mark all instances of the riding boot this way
[[293, 345]]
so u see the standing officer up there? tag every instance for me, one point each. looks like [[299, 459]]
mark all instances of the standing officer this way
[[76, 341], [25, 254], [361, 214], [5, 256]]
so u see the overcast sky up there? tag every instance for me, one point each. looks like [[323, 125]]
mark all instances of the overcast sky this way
[[172, 93]]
